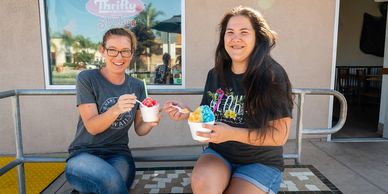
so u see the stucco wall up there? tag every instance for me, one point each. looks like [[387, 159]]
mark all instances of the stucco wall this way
[[305, 49]]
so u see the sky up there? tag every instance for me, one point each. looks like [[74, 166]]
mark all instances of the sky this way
[[73, 16]]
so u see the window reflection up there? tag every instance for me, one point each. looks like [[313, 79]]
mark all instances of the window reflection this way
[[75, 28]]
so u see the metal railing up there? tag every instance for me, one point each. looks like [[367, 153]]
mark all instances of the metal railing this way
[[299, 93]]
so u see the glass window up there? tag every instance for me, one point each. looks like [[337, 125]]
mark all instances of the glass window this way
[[72, 31]]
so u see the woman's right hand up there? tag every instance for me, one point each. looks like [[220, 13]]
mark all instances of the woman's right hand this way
[[125, 103], [173, 112]]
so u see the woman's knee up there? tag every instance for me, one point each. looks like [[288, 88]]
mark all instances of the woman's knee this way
[[205, 184], [85, 165], [210, 175], [86, 171], [113, 184], [198, 179], [125, 166], [199, 182], [131, 177]]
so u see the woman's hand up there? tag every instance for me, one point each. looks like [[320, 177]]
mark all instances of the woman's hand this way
[[143, 128], [220, 132], [96, 123], [155, 123], [125, 103], [173, 112]]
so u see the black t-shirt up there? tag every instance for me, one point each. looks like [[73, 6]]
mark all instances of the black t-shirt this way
[[229, 103]]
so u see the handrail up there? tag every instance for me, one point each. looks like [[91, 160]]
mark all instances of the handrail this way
[[299, 92], [8, 93], [343, 108]]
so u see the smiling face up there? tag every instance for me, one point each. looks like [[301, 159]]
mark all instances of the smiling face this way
[[116, 64], [239, 40]]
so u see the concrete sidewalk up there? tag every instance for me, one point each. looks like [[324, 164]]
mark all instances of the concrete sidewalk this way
[[351, 167]]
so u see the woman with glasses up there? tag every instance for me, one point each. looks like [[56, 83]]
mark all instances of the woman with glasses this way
[[250, 95], [100, 160]]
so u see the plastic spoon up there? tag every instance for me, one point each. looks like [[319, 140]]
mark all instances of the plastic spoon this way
[[184, 110], [140, 102]]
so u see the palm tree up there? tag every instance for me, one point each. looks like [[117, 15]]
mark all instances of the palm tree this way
[[68, 41], [82, 43], [148, 16], [85, 49], [144, 21]]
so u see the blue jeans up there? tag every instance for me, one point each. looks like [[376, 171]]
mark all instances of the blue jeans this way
[[89, 173]]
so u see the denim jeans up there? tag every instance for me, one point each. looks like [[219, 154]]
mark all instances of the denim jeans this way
[[89, 173]]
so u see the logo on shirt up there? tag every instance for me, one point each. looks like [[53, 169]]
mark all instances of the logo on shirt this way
[[122, 120], [229, 107]]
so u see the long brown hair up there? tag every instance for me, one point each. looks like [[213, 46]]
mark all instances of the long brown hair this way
[[120, 32], [268, 93]]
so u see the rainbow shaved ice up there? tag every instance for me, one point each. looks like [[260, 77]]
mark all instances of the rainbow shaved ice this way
[[202, 114]]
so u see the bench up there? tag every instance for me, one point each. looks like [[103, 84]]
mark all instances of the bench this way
[[296, 155]]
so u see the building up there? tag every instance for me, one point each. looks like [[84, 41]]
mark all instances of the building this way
[[307, 48]]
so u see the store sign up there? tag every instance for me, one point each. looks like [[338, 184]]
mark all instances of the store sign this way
[[114, 8]]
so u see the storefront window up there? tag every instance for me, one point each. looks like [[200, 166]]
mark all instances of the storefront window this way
[[72, 31]]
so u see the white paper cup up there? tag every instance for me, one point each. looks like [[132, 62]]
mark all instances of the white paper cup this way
[[194, 127], [150, 114]]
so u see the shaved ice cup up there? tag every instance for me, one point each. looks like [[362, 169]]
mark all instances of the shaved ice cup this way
[[194, 127], [150, 114]]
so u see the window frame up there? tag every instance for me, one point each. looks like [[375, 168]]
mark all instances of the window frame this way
[[45, 38]]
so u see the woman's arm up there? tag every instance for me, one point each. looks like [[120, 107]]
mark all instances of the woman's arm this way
[[97, 123], [222, 132], [277, 137]]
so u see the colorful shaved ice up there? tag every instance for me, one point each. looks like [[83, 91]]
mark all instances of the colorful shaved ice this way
[[202, 114]]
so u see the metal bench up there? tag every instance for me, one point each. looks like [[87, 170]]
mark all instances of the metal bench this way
[[21, 159]]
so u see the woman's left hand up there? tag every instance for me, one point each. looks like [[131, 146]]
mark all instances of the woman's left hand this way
[[156, 123], [143, 128], [220, 132]]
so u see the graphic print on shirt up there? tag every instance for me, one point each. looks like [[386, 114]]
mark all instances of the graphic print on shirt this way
[[122, 120], [227, 106]]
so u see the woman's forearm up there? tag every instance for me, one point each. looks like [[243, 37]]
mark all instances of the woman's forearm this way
[[96, 123], [277, 137]]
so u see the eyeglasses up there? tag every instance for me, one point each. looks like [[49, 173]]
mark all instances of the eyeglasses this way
[[124, 53]]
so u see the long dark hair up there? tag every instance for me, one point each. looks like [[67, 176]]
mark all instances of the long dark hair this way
[[166, 59], [268, 93]]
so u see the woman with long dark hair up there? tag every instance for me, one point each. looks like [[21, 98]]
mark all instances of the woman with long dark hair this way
[[162, 71], [250, 94]]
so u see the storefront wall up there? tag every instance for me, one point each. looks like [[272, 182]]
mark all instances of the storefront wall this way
[[305, 49]]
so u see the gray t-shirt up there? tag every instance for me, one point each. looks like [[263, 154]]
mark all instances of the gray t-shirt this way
[[92, 87]]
